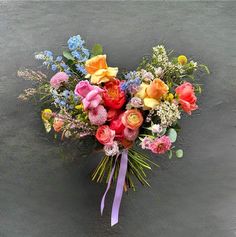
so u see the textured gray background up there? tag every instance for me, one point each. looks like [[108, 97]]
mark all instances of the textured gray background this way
[[42, 194]]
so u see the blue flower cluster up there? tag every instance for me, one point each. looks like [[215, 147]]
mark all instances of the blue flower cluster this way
[[66, 99], [132, 82], [50, 62], [76, 46]]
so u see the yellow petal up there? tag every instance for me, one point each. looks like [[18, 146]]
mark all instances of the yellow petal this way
[[112, 71], [142, 91], [150, 102]]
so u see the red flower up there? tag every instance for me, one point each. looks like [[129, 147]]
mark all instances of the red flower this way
[[112, 114], [186, 96], [113, 96], [118, 126]]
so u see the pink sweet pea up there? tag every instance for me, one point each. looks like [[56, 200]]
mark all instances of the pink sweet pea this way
[[58, 79], [160, 145]]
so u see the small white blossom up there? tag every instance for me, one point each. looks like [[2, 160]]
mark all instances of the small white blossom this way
[[111, 150]]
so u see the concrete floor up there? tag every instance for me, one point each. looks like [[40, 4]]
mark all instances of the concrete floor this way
[[44, 194]]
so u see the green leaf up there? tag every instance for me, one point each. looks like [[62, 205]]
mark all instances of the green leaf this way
[[205, 67], [97, 50], [179, 153], [172, 134], [170, 153], [68, 55]]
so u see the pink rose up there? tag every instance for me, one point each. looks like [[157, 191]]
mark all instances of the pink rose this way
[[160, 145], [186, 97], [91, 95], [58, 79], [83, 88]]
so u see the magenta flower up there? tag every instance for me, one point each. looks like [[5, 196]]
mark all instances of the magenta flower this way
[[160, 145], [98, 115], [146, 142], [57, 80], [83, 88]]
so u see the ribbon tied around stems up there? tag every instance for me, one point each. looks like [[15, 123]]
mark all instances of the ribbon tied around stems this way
[[119, 186]]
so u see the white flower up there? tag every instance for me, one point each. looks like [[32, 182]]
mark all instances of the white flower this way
[[156, 128], [158, 72], [111, 150]]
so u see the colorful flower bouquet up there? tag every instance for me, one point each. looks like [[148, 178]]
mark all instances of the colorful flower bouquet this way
[[125, 112]]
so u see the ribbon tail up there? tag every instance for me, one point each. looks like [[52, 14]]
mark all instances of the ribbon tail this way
[[108, 187], [119, 188]]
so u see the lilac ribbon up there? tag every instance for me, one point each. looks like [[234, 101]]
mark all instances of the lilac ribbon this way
[[119, 187]]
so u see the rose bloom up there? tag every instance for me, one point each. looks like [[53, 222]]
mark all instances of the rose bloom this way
[[132, 119], [160, 145], [98, 70], [118, 126], [91, 95], [57, 80], [186, 97], [105, 135], [113, 96], [83, 88], [58, 124], [157, 89]]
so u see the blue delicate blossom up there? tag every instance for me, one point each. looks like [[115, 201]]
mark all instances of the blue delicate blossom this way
[[75, 42], [81, 69], [59, 58], [66, 93], [132, 82], [54, 67]]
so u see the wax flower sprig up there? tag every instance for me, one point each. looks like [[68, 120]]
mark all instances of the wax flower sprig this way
[[127, 115]]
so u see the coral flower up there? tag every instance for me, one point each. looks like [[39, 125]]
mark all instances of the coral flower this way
[[186, 97], [58, 124], [98, 70], [132, 119], [113, 96], [160, 145], [105, 135]]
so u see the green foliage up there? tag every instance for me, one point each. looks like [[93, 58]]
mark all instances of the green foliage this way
[[172, 134], [97, 50], [68, 55], [179, 153]]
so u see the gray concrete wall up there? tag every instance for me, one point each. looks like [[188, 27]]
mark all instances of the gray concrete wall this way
[[44, 195]]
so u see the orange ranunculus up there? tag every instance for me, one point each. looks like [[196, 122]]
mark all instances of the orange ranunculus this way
[[157, 89], [98, 70], [58, 124], [132, 119]]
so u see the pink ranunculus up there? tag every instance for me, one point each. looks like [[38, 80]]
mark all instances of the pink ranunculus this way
[[186, 97], [83, 88], [57, 80], [160, 145], [131, 134], [105, 135], [98, 115]]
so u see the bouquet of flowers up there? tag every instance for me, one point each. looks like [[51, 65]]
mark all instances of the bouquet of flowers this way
[[125, 112]]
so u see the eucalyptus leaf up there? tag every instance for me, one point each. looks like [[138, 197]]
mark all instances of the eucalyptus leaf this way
[[68, 55], [97, 50], [172, 134], [179, 153]]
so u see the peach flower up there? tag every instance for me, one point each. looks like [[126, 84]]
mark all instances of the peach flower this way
[[132, 119], [157, 89], [98, 70], [58, 124]]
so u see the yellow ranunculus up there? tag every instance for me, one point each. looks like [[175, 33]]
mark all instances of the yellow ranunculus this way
[[98, 70], [142, 91], [182, 59], [46, 114]]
